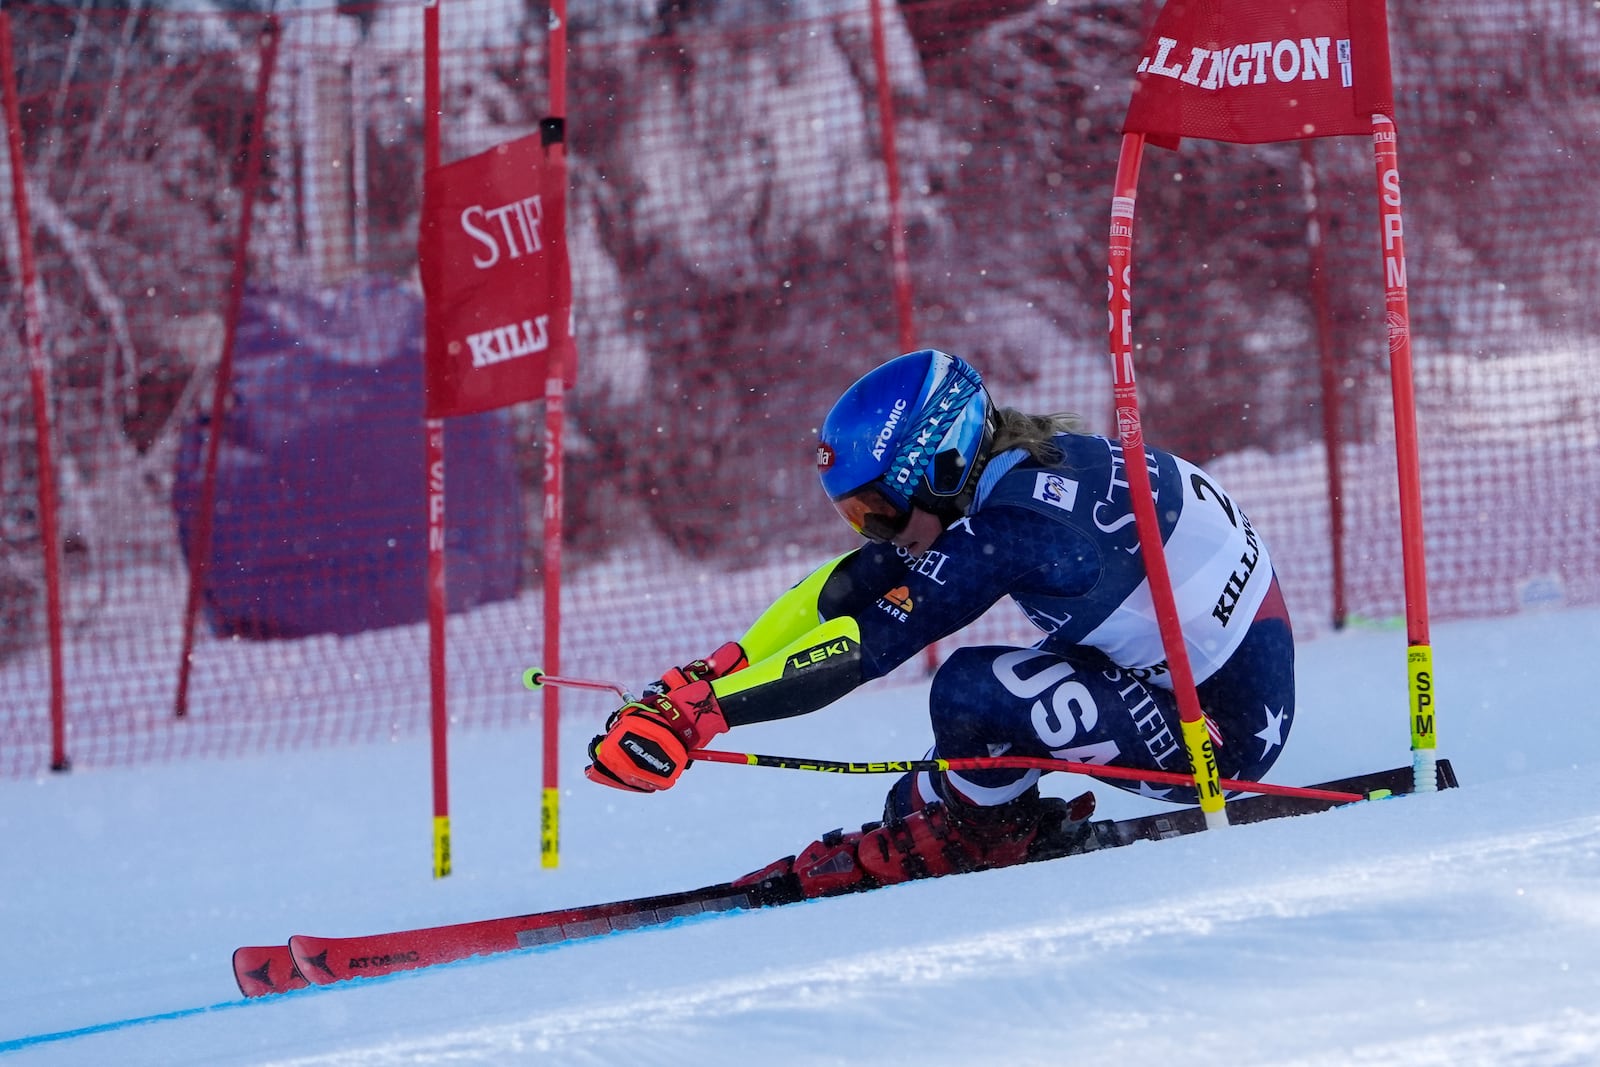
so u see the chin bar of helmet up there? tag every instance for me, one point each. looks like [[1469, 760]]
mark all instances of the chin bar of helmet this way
[[533, 678]]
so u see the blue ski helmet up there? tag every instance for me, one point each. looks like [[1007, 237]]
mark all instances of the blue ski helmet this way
[[915, 431]]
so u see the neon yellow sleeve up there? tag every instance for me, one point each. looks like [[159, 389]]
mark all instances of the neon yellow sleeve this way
[[791, 616], [810, 672]]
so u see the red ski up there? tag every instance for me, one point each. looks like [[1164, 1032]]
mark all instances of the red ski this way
[[263, 969], [326, 960]]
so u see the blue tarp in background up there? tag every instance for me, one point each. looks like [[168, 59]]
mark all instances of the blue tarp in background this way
[[321, 519]]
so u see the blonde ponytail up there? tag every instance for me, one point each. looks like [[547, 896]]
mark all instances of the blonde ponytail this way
[[1034, 433]]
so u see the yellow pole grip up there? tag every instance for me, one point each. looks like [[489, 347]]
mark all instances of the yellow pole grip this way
[[441, 846], [1203, 758], [550, 828], [1419, 664]]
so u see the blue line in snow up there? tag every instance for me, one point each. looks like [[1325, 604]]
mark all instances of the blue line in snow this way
[[120, 1024], [16, 1043]]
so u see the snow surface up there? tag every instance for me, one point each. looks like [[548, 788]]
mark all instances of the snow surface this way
[[1458, 928]]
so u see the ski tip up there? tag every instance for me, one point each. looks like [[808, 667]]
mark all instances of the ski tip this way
[[310, 956], [264, 970]]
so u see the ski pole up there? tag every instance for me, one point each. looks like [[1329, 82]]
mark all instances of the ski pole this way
[[996, 763], [534, 677]]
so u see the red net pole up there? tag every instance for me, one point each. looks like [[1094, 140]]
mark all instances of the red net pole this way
[[1125, 390], [201, 558], [554, 137], [899, 256], [900, 259], [1328, 366], [438, 698], [39, 386]]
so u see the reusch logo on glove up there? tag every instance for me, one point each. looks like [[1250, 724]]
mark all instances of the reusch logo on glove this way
[[646, 753]]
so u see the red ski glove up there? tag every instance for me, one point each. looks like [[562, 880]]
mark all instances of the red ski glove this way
[[724, 661], [647, 743]]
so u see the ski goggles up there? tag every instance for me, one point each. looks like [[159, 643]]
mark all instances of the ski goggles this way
[[872, 514]]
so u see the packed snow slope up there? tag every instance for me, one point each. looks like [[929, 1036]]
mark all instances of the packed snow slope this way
[[1457, 928]]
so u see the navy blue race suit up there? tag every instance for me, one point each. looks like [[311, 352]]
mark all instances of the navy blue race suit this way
[[1059, 539]]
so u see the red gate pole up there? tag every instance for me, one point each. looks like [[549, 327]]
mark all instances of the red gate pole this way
[[39, 385], [553, 129], [1202, 757], [438, 694], [1419, 650]]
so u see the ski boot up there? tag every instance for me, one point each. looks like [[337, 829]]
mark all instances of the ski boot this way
[[939, 839], [824, 868], [950, 836]]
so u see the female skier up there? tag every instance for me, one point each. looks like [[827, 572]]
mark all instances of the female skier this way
[[962, 503]]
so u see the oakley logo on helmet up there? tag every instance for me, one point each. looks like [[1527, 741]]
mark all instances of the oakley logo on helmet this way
[[938, 424]]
